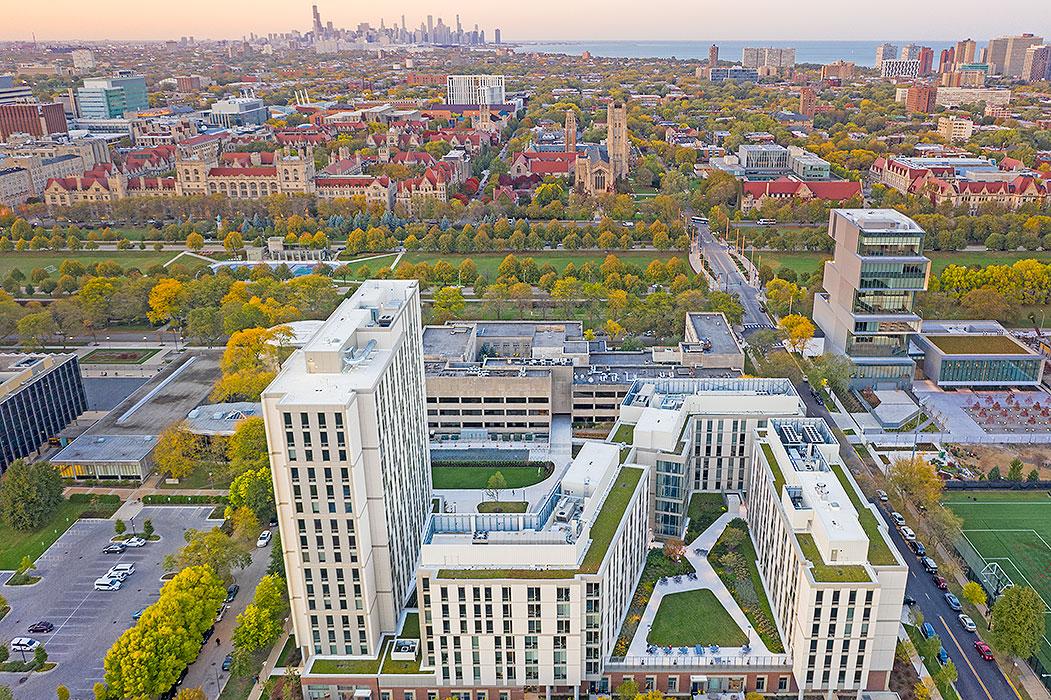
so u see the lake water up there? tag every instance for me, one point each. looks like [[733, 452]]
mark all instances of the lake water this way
[[863, 53]]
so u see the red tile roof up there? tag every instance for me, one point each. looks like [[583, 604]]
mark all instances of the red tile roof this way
[[248, 171]]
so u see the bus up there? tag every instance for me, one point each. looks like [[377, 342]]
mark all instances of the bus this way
[[699, 220]]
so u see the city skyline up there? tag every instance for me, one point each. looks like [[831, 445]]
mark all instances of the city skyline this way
[[64, 20]]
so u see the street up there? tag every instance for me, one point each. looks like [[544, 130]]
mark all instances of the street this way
[[729, 276]]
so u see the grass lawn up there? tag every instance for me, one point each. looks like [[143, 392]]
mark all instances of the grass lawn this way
[[704, 509], [26, 261], [15, 544], [625, 433], [930, 661], [348, 666], [976, 344], [488, 262], [1012, 528], [694, 617], [118, 356], [844, 573], [657, 566], [199, 479], [503, 507], [464, 477], [806, 263]]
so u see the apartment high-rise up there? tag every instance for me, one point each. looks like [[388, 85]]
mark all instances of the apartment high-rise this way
[[347, 435], [807, 101], [770, 57], [474, 89], [926, 58], [964, 51], [1006, 55], [921, 99], [866, 310], [32, 118], [885, 52], [713, 56], [1037, 63]]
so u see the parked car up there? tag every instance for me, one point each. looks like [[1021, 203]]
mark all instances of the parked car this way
[[207, 635], [898, 518], [930, 565], [228, 662], [953, 602], [941, 583], [42, 627], [115, 548], [222, 612], [918, 548], [121, 571], [135, 542], [264, 538], [909, 600], [983, 650], [27, 644], [907, 534], [966, 622], [107, 583], [231, 592], [943, 656], [882, 496], [928, 630], [138, 613]]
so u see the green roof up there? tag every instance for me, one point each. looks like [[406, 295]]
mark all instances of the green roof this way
[[602, 531], [349, 667], [879, 550], [771, 460], [977, 345], [825, 573], [625, 433]]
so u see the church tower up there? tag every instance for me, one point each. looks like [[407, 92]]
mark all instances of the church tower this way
[[571, 131], [617, 138]]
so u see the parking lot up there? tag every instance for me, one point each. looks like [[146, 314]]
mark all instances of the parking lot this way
[[86, 621]]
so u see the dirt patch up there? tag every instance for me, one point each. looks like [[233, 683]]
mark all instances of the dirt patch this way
[[989, 456], [903, 680]]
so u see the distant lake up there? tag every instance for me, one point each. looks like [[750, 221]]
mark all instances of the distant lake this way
[[863, 53]]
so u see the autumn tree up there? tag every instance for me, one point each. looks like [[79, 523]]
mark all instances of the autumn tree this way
[[212, 549], [253, 489], [178, 451], [798, 330], [974, 594], [448, 304], [917, 480]]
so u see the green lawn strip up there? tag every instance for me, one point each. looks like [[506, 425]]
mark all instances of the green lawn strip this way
[[806, 263], [207, 475], [704, 509], [368, 667], [759, 614], [771, 460], [287, 651], [409, 630], [487, 263], [625, 433], [463, 476], [118, 356], [657, 566], [602, 531], [694, 617], [503, 506], [16, 544], [177, 499], [27, 261], [880, 553], [240, 687], [930, 662], [825, 573]]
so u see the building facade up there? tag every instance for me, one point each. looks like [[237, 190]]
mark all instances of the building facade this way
[[475, 89], [35, 119], [347, 436], [111, 98], [40, 395]]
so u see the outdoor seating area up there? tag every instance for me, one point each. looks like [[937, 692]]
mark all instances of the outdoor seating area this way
[[1010, 413], [713, 652]]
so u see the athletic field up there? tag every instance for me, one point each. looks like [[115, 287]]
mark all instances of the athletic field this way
[[1013, 530]]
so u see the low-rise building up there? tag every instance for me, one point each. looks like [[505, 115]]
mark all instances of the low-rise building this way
[[955, 128], [16, 186], [978, 354]]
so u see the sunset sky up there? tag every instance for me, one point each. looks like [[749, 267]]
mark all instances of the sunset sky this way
[[540, 19]]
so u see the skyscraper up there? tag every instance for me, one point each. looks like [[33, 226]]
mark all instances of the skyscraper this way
[[318, 27], [347, 435], [713, 56], [963, 52], [1006, 55], [807, 101], [1037, 64], [926, 56], [885, 52], [110, 98], [946, 60]]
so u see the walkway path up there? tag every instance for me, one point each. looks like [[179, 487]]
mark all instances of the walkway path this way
[[132, 498], [706, 578]]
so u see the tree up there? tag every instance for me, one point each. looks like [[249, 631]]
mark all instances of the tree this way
[[261, 622], [246, 449], [212, 548], [974, 594], [178, 451], [674, 548], [828, 370], [29, 493], [627, 690], [205, 325], [40, 656], [195, 242], [36, 329], [799, 330], [253, 489], [62, 692], [946, 675], [250, 362], [495, 485], [448, 304], [1014, 472], [1017, 622], [167, 300], [918, 480], [191, 694], [5, 693], [119, 527], [234, 242], [781, 295], [147, 528]]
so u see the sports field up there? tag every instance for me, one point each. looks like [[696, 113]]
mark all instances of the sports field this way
[[1011, 529]]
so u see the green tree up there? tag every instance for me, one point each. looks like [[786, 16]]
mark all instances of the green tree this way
[[448, 304], [195, 242], [253, 489], [246, 448], [62, 692], [40, 656], [29, 493], [211, 548], [1014, 472], [119, 527], [36, 329], [147, 528], [256, 629], [627, 690], [5, 693], [1017, 622], [205, 325], [495, 485]]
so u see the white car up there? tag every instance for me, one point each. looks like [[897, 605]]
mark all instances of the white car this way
[[882, 496], [121, 571], [135, 542], [908, 534], [24, 644], [107, 583], [264, 538], [966, 622], [898, 518]]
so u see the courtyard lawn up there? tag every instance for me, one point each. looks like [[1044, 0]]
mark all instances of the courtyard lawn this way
[[15, 544], [27, 261], [503, 506], [487, 263], [118, 356], [461, 476], [694, 617], [704, 509]]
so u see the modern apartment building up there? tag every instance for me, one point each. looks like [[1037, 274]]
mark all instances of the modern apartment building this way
[[885, 52], [475, 89], [1006, 55], [697, 435], [1037, 63], [834, 579], [347, 437], [870, 286], [955, 128], [899, 68], [111, 98], [39, 396], [33, 118], [768, 57]]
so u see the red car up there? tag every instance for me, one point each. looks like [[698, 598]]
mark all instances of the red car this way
[[983, 650], [941, 583]]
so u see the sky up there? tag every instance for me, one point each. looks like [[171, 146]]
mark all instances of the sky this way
[[535, 19]]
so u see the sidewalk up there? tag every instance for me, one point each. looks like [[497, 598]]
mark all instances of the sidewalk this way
[[271, 661], [132, 498]]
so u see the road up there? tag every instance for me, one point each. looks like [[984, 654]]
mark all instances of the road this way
[[978, 679], [730, 278]]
